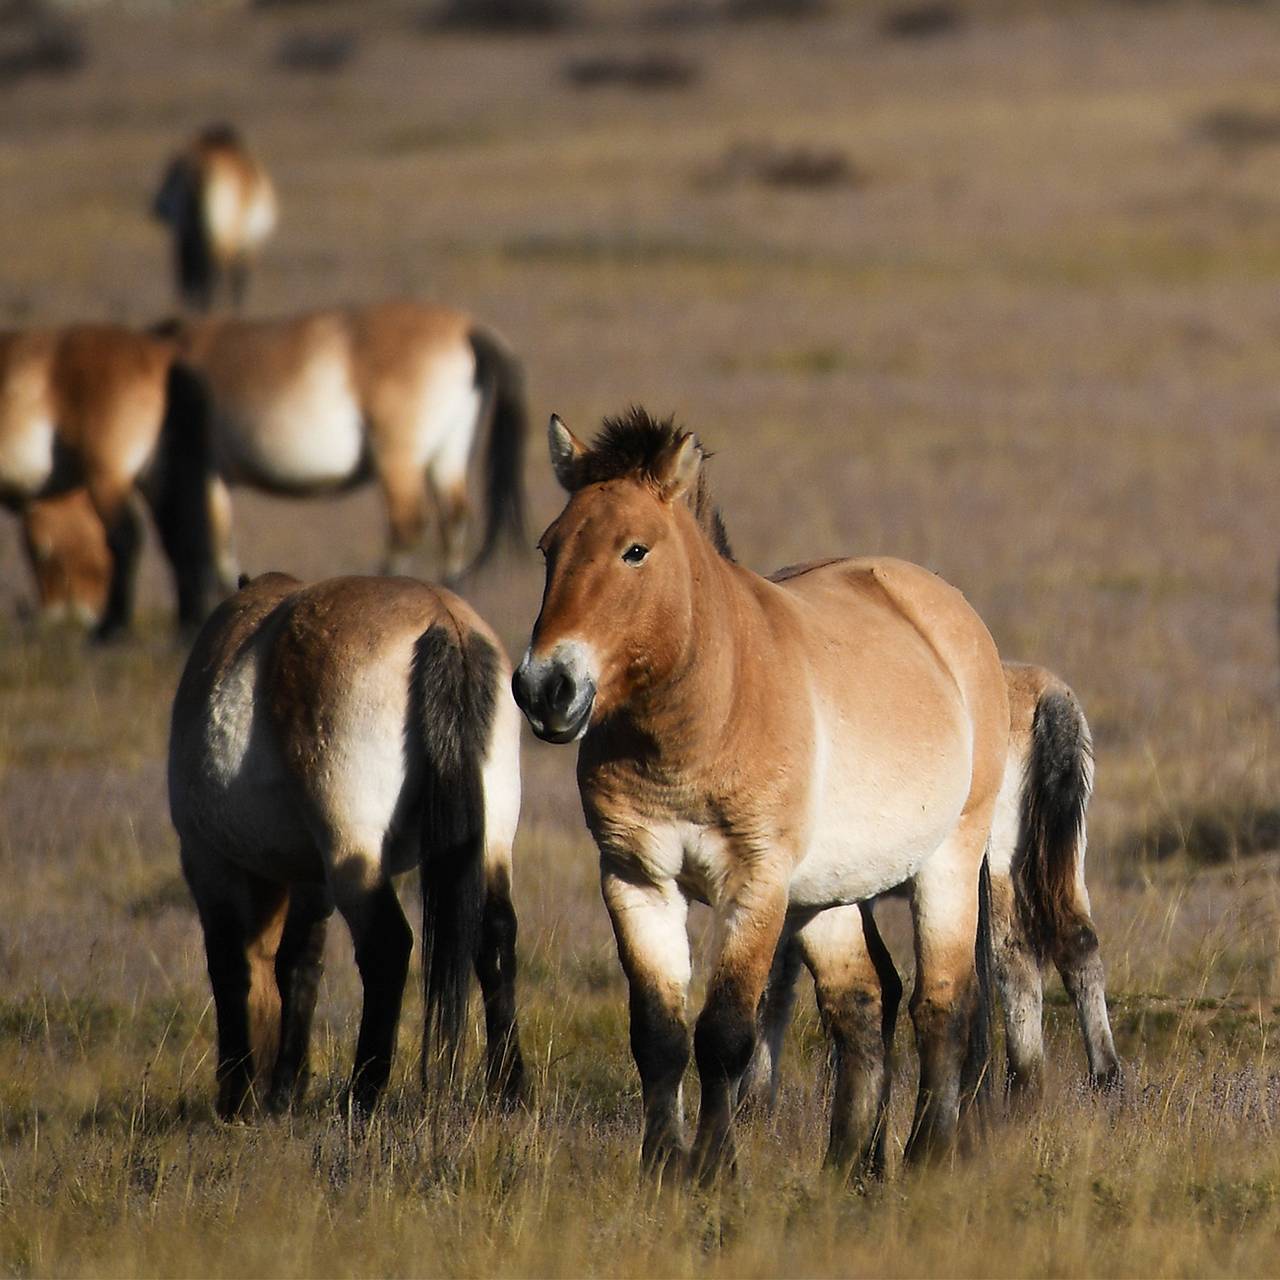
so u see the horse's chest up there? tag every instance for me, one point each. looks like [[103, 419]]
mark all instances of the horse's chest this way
[[26, 452], [309, 435]]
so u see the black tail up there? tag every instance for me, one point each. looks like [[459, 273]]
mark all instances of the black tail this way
[[178, 493], [501, 381], [977, 1071], [455, 691], [1055, 796]]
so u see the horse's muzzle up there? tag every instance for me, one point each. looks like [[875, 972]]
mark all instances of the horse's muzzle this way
[[556, 693]]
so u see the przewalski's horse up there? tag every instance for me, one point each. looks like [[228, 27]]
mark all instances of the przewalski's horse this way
[[110, 410], [325, 739], [220, 207], [772, 747], [395, 391], [1040, 911]]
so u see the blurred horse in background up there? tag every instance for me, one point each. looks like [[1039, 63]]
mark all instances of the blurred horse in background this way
[[112, 411], [220, 207], [1039, 912], [395, 392], [325, 739]]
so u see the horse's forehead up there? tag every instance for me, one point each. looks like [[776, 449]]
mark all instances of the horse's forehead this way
[[600, 510]]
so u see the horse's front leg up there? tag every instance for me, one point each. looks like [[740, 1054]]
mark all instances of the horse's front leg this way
[[749, 922], [650, 925]]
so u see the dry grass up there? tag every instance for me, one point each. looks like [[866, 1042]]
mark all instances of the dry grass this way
[[1036, 349]]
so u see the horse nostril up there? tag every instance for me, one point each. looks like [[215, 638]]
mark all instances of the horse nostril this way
[[560, 692]]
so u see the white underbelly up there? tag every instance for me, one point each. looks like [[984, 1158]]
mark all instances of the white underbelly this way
[[310, 438], [878, 813]]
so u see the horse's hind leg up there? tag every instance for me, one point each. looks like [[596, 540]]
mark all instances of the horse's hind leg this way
[[1076, 954], [496, 969], [1019, 981], [406, 499], [858, 992], [453, 509], [758, 1088], [383, 943], [242, 916], [117, 508], [299, 965], [945, 1000]]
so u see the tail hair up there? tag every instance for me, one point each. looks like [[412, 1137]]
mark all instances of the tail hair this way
[[1055, 797], [976, 1075], [500, 378], [455, 687]]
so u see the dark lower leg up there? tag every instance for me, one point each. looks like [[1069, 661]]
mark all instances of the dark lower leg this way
[[1079, 961], [299, 966], [496, 969], [124, 540], [942, 1035], [758, 1087], [382, 955], [723, 1043], [225, 941]]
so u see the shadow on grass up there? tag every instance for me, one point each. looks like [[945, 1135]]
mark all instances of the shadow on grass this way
[[1207, 835]]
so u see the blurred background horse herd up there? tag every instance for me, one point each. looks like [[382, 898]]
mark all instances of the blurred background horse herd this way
[[992, 285]]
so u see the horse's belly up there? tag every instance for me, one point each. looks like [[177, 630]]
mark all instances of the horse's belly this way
[[314, 439], [875, 824]]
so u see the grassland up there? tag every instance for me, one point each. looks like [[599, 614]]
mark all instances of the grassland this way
[[1036, 346]]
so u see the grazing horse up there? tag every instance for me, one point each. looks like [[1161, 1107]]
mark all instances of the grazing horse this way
[[325, 739], [775, 748], [220, 206], [397, 391], [110, 410], [1040, 911]]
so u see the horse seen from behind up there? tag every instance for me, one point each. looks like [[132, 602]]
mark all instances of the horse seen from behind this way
[[775, 748], [220, 207], [324, 740]]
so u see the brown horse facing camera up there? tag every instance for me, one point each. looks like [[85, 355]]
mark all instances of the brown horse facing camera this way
[[775, 748], [1039, 912], [325, 739], [109, 410]]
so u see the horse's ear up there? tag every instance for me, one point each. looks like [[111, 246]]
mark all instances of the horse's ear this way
[[566, 450], [678, 468]]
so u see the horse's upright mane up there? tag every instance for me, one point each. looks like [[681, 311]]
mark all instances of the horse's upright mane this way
[[632, 446]]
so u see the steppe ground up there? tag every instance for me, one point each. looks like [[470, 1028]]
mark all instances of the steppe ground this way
[[1034, 344]]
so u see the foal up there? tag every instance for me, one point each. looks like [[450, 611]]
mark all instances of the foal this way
[[220, 207], [325, 739], [774, 748], [110, 410]]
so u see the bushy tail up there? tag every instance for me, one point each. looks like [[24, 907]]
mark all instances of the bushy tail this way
[[455, 686], [977, 1071], [501, 381], [1055, 796]]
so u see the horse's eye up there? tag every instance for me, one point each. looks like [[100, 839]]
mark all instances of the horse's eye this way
[[635, 553]]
